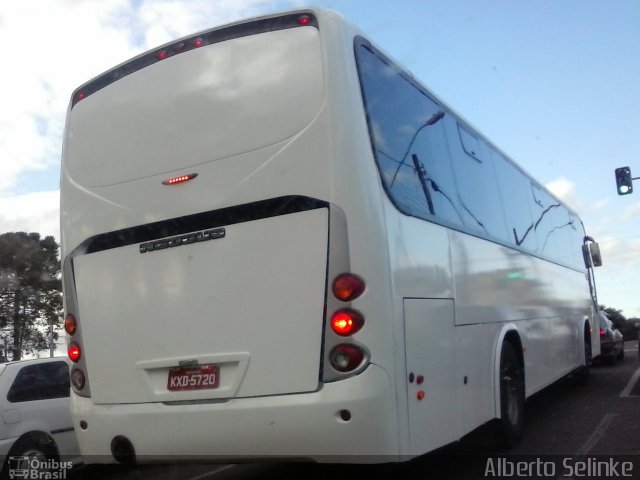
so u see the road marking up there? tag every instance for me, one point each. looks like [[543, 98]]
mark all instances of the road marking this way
[[597, 434], [212, 472], [630, 384]]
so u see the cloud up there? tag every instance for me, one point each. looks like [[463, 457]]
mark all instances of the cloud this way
[[162, 21], [630, 212], [57, 45], [32, 212], [565, 191]]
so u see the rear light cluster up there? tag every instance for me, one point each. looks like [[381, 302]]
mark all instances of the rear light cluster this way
[[74, 350], [347, 356]]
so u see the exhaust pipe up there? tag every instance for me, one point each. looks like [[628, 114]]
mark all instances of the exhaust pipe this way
[[122, 450]]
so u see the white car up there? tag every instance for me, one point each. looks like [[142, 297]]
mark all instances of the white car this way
[[35, 422]]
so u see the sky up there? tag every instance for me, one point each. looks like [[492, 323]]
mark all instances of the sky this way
[[554, 83]]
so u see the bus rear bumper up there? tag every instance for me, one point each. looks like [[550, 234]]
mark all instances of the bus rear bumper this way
[[311, 426]]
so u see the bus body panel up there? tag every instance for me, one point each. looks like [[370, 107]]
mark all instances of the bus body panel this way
[[304, 425], [548, 302], [492, 285], [250, 303], [432, 366], [113, 169]]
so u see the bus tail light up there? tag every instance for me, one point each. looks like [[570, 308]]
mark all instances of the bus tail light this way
[[347, 322], [70, 324], [78, 379], [74, 352], [346, 358], [343, 355], [348, 287]]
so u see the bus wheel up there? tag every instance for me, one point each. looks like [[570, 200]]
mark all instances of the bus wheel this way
[[583, 373], [511, 396]]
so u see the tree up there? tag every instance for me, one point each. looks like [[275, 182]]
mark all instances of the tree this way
[[626, 326], [616, 316], [30, 292]]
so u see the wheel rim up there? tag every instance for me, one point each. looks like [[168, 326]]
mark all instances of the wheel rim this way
[[26, 458]]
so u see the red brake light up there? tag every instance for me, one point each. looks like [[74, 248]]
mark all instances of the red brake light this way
[[347, 287], [70, 325], [601, 331], [74, 352], [347, 322], [180, 179], [345, 358], [304, 20]]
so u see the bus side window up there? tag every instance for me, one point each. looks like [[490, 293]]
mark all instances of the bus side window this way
[[405, 122], [516, 198], [477, 185]]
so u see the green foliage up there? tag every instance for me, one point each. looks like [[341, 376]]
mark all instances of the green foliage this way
[[30, 292], [615, 315]]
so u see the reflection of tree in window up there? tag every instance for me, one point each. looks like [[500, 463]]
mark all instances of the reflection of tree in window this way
[[553, 226], [405, 122], [569, 223], [477, 185]]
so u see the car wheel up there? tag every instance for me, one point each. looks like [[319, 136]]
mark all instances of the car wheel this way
[[511, 396], [25, 450]]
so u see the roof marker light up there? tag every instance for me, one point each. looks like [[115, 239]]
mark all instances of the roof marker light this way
[[162, 54], [198, 42], [180, 179], [304, 20]]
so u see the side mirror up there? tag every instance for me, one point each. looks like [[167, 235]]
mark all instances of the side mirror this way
[[591, 254]]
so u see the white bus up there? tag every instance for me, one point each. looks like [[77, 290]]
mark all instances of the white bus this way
[[277, 243]]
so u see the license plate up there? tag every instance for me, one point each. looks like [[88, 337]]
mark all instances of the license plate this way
[[193, 378]]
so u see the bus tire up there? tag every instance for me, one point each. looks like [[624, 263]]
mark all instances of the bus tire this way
[[511, 422], [583, 373]]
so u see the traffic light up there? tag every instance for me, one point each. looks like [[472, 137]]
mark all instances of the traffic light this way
[[624, 182]]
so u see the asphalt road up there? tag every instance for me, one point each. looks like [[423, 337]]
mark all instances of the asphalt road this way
[[571, 431]]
